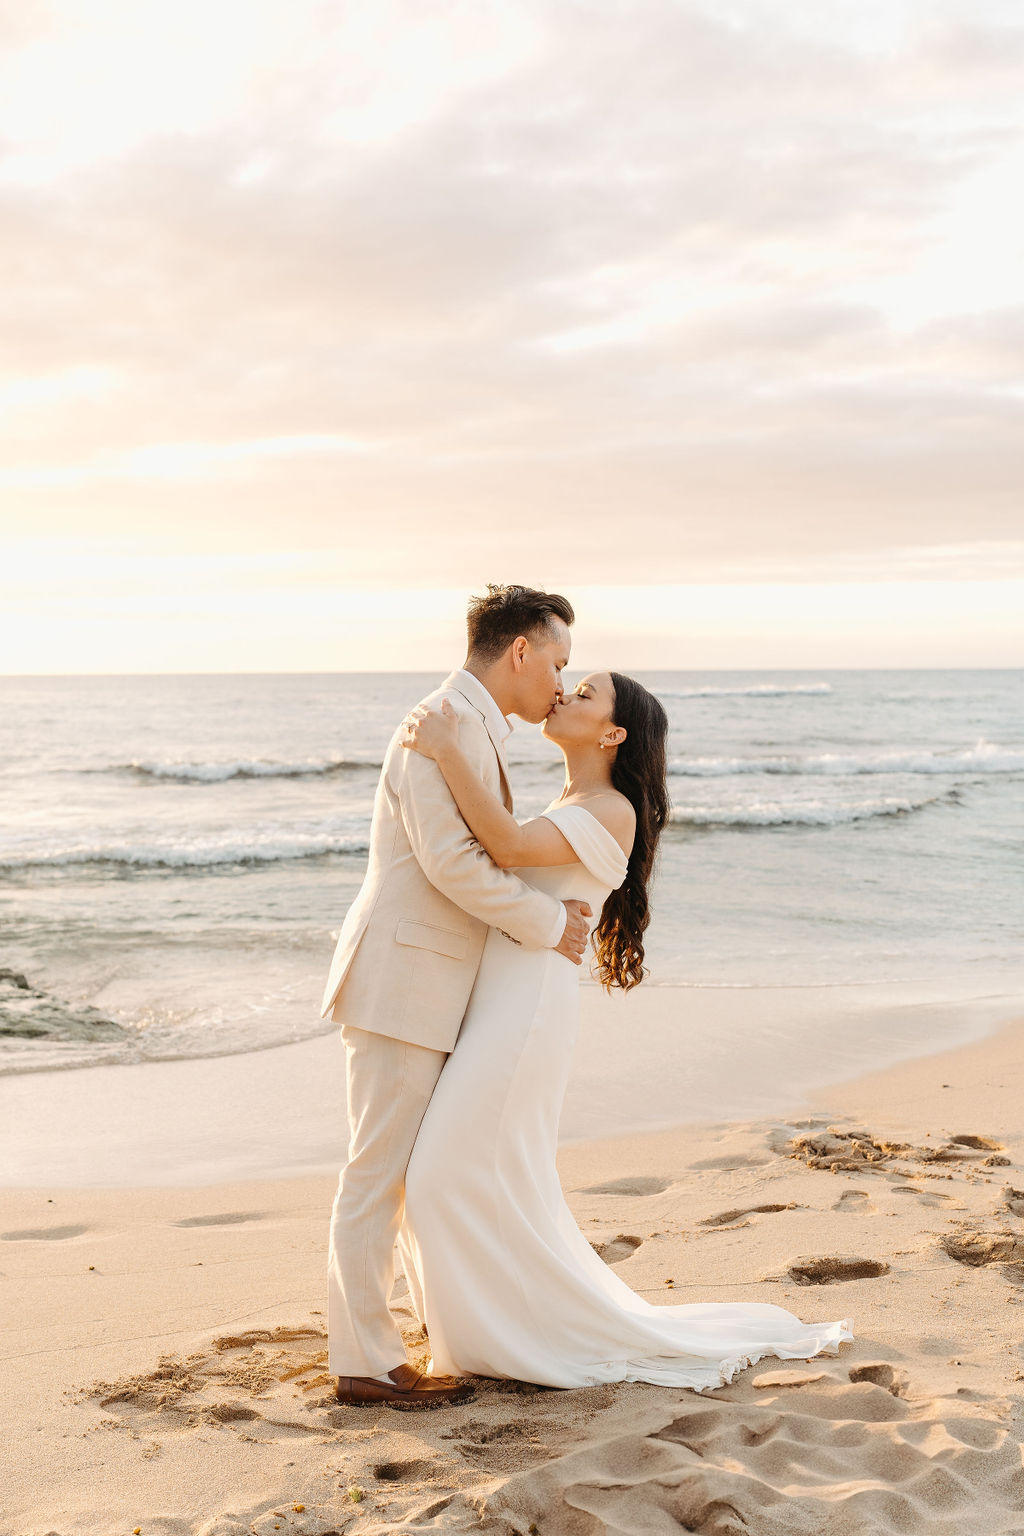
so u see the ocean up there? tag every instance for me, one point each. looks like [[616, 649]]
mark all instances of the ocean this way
[[177, 853]]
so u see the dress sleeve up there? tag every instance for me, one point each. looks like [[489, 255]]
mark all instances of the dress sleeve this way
[[592, 843]]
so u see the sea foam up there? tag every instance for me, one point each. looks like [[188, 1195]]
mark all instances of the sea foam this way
[[744, 690], [983, 757], [243, 768], [808, 813], [197, 855]]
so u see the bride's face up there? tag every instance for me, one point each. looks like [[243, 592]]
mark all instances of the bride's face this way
[[583, 717]]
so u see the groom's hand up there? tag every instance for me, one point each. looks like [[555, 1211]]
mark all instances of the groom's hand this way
[[577, 929]]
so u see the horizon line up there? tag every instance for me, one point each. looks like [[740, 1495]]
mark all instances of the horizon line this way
[[430, 671]]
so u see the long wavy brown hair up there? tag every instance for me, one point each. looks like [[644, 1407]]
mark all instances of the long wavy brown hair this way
[[638, 773]]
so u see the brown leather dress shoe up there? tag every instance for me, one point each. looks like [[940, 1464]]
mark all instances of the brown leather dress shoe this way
[[411, 1390]]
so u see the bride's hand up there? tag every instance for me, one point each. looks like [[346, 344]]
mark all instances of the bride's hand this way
[[429, 731]]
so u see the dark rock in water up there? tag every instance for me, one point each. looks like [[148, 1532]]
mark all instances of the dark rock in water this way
[[30, 1014]]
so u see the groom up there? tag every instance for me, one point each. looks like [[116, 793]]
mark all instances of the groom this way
[[405, 964]]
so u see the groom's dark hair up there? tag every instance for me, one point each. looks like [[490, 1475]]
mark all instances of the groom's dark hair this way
[[494, 621]]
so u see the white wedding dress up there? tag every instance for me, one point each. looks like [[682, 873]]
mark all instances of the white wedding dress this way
[[503, 1280]]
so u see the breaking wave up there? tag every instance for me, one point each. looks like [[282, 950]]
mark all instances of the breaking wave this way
[[743, 690], [197, 856], [984, 757], [808, 814], [241, 768]]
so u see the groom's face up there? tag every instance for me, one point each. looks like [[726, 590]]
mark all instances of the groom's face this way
[[543, 660]]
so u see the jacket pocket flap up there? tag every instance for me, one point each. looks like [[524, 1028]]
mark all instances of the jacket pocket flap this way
[[444, 941]]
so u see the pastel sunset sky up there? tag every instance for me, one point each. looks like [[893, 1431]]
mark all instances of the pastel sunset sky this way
[[315, 317]]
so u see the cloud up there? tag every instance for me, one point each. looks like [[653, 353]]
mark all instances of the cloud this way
[[640, 284]]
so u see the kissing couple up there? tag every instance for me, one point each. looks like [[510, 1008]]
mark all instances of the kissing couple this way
[[455, 982]]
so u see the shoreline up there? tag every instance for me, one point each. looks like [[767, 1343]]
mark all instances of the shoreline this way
[[279, 1112], [165, 1345]]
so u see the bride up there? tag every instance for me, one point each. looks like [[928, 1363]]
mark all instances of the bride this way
[[502, 1279]]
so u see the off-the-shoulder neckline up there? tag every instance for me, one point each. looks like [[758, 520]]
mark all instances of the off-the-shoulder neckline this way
[[610, 836]]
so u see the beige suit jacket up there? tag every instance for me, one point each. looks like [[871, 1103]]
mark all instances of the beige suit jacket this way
[[410, 946]]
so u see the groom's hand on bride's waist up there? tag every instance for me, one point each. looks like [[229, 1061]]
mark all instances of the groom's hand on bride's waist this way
[[577, 930]]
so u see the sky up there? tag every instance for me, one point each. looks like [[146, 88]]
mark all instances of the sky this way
[[317, 317]]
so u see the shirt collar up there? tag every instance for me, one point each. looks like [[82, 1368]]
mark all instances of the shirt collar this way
[[499, 726]]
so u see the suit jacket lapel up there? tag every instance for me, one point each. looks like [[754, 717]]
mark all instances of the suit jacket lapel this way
[[506, 788], [455, 683]]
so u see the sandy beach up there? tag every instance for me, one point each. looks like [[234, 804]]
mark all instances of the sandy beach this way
[[164, 1341], [643, 380]]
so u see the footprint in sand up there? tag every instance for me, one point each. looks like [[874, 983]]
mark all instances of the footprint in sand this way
[[726, 1218], [834, 1266], [224, 1219], [978, 1249], [964, 1146], [882, 1374], [854, 1201], [933, 1197], [223, 1413], [264, 1375], [506, 1445], [42, 1234], [402, 1471], [732, 1160], [621, 1247], [638, 1184]]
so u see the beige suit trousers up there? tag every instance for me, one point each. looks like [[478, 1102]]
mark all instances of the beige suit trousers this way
[[389, 1086]]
